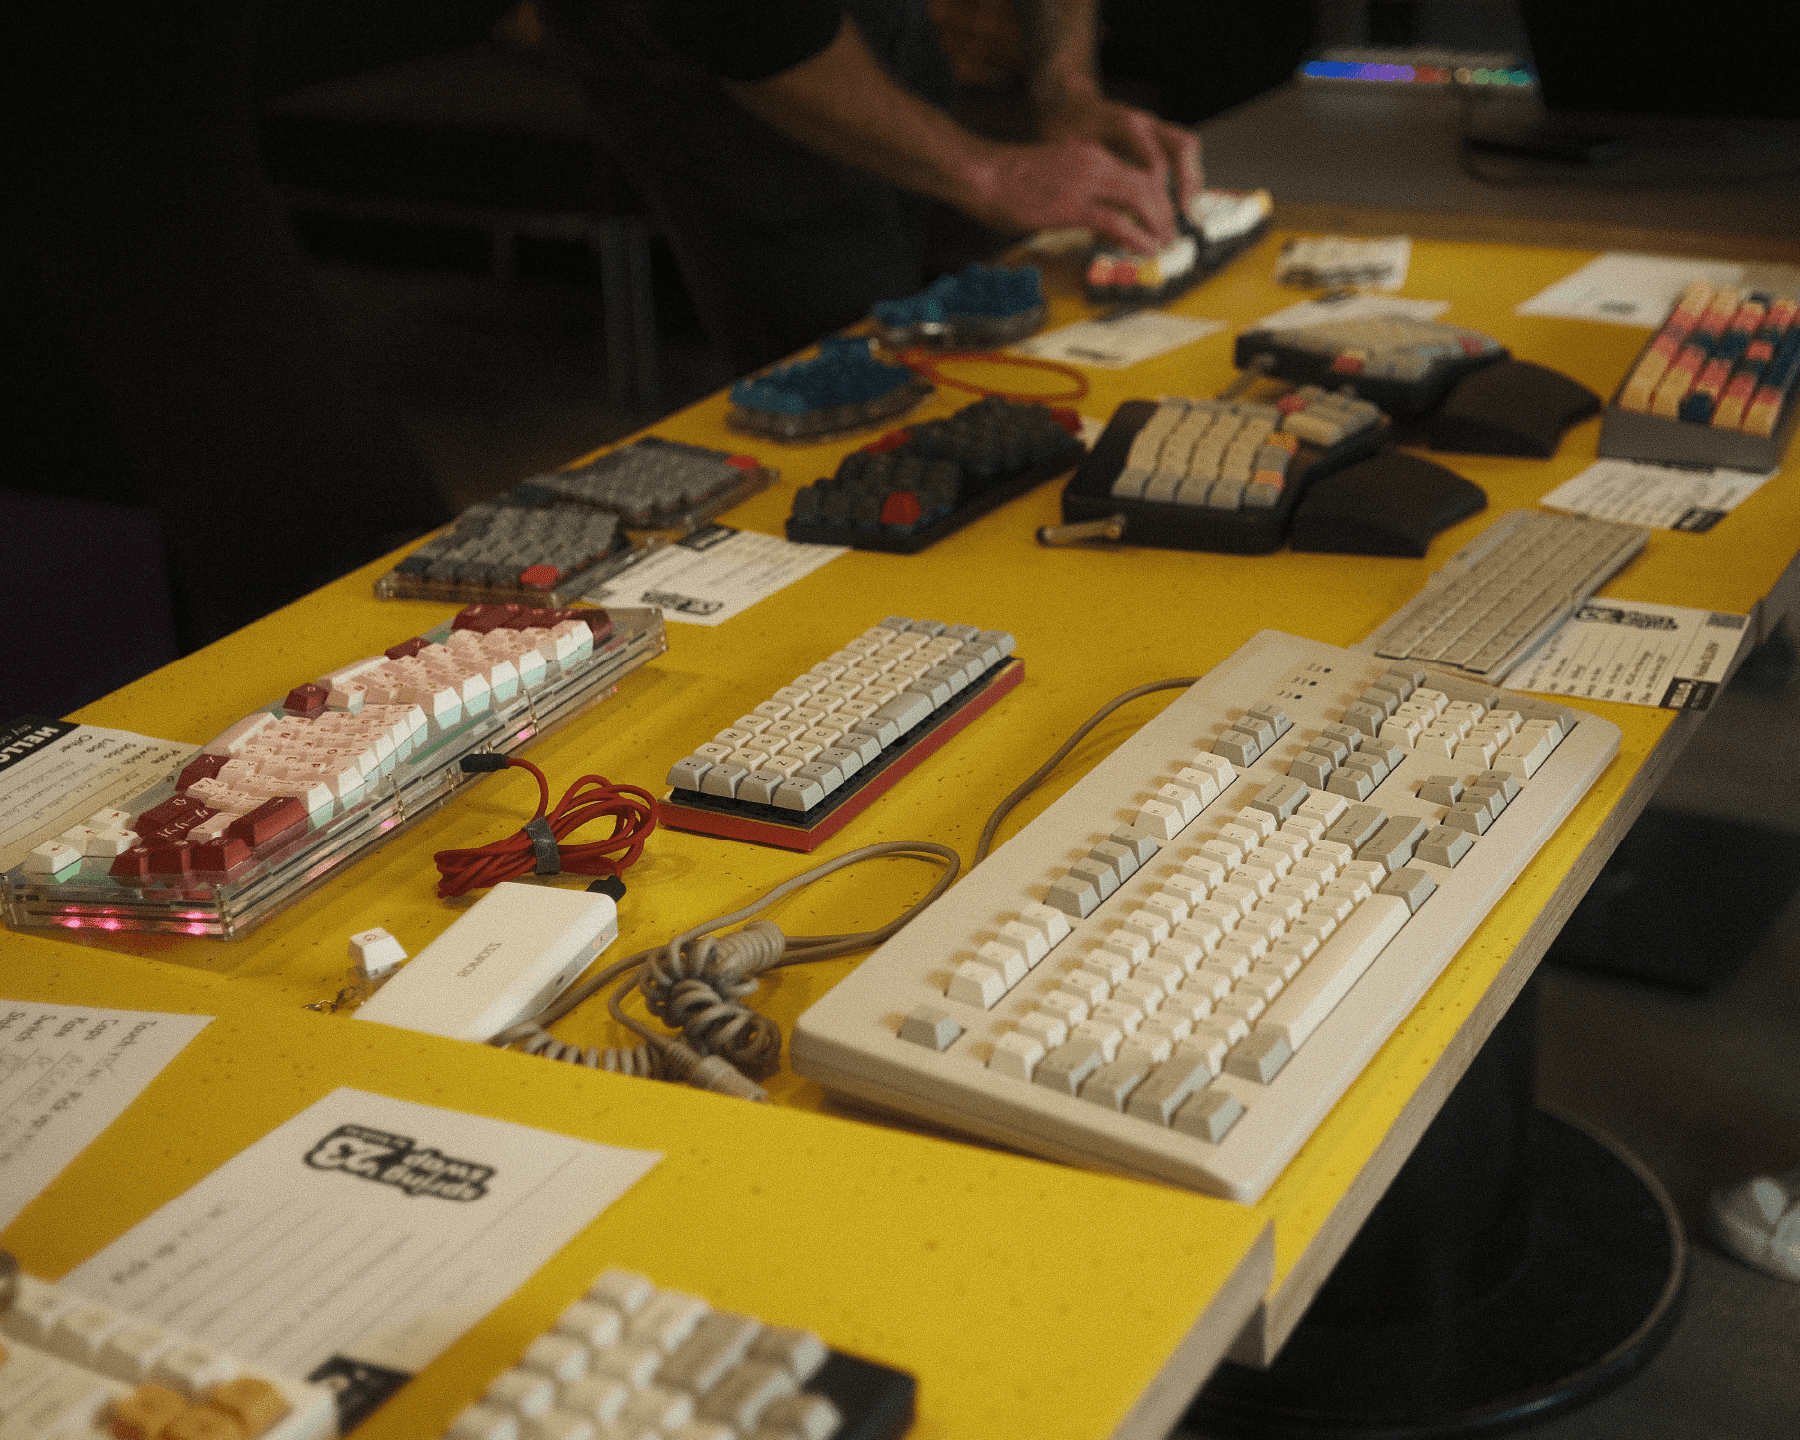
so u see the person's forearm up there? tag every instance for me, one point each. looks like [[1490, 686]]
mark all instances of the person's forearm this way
[[1061, 38], [844, 103]]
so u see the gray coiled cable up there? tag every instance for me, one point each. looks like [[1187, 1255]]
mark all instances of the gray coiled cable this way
[[698, 982]]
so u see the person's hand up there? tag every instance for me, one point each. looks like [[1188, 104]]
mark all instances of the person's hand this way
[[1136, 136], [1073, 181]]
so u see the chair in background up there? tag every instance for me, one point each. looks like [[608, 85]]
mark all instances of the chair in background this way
[[482, 138]]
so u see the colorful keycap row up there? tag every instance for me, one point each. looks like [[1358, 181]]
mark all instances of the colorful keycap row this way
[[1216, 224], [1721, 359], [278, 773]]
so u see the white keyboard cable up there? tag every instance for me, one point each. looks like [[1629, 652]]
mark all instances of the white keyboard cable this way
[[697, 983]]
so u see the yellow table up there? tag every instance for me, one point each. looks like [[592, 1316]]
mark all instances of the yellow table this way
[[1089, 625]]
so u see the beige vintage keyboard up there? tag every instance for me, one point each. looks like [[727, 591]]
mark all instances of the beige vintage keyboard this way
[[1500, 596], [1182, 963]]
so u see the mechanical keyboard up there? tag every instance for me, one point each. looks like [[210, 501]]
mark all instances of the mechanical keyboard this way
[[628, 1361], [554, 538], [796, 768], [1405, 366], [912, 487], [845, 387], [1178, 968], [1216, 226], [283, 797], [73, 1369], [981, 307], [1500, 596], [1218, 475]]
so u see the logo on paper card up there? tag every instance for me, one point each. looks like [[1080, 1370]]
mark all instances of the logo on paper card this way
[[395, 1160]]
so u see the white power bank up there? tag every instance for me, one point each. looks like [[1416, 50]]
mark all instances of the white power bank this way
[[516, 950]]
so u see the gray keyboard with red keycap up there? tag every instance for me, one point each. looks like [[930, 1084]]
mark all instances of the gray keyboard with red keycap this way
[[285, 795], [1405, 366]]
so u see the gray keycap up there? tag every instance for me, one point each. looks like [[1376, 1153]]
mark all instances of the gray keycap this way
[[1471, 817], [719, 1341], [744, 1394], [1331, 747], [1237, 747], [1533, 708], [1066, 1067], [1370, 763], [1455, 687], [846, 762], [800, 1417], [1261, 495], [1280, 798], [1097, 873], [759, 786], [930, 1025], [1122, 861], [1395, 842], [905, 710], [1357, 825], [1491, 796], [1391, 752], [1260, 1057], [1311, 768], [1253, 724], [932, 687], [1413, 885], [1403, 678], [1351, 784], [799, 1352], [1441, 790], [882, 731], [1507, 785], [827, 776], [1348, 736], [1365, 717], [1444, 845], [1111, 1085], [798, 793], [1168, 1087], [1141, 843], [1074, 895], [929, 628], [1384, 699], [1209, 1115]]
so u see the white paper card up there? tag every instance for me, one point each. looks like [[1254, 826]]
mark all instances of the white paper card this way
[[66, 1073], [55, 773], [1637, 654], [1318, 262], [1351, 307], [1664, 497], [1623, 288], [713, 574], [1117, 344], [365, 1229]]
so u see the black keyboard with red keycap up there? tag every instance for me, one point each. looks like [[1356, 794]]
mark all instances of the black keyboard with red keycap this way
[[912, 487], [281, 798]]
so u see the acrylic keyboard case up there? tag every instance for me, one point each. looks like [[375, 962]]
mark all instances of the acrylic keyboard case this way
[[229, 904], [1169, 526], [855, 1041]]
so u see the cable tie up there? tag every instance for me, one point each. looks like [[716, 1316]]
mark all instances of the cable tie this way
[[543, 842]]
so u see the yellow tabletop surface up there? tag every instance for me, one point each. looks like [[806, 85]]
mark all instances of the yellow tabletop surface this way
[[1089, 623]]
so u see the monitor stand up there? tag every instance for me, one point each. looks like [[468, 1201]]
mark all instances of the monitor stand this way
[[1519, 1266]]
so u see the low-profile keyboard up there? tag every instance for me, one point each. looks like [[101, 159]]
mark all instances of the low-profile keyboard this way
[[630, 1360], [1499, 597], [1182, 963], [74, 1369]]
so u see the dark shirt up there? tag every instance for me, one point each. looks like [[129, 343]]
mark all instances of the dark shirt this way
[[746, 39]]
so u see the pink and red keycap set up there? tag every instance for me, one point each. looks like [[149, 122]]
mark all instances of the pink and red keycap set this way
[[278, 800]]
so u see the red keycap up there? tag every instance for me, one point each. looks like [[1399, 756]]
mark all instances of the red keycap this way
[[134, 864], [306, 700], [1068, 418], [176, 859], [598, 621], [268, 821], [893, 440], [173, 811], [201, 767], [901, 508], [743, 462], [219, 855], [406, 649], [540, 577], [1348, 364], [1289, 403]]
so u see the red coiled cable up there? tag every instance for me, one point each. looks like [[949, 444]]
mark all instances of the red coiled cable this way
[[592, 797]]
